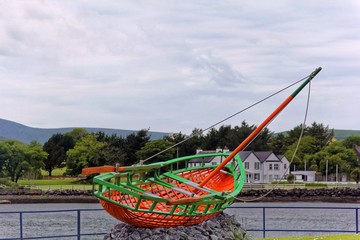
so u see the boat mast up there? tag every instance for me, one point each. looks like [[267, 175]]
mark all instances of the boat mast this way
[[260, 127]]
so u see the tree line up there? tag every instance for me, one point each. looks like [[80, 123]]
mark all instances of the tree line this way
[[79, 148]]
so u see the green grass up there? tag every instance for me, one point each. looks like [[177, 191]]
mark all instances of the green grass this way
[[54, 184], [330, 237], [56, 172], [49, 182]]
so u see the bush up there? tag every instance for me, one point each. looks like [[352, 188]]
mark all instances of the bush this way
[[6, 184], [290, 178]]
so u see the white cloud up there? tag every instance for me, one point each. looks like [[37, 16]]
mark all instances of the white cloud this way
[[174, 65]]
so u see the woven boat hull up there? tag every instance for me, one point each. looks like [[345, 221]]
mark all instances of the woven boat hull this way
[[152, 220], [170, 198]]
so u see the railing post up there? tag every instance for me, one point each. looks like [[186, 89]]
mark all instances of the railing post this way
[[357, 220], [78, 225], [264, 229], [21, 226]]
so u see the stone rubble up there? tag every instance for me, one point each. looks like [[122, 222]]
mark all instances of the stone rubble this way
[[221, 227]]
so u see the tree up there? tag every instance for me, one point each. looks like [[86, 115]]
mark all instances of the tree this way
[[355, 174], [229, 137], [306, 147], [56, 147], [337, 154], [278, 144], [77, 134], [188, 144], [318, 131], [322, 134], [86, 153], [18, 158], [113, 150], [154, 147], [37, 157], [349, 142], [133, 143]]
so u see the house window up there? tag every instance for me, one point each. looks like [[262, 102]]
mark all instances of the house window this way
[[276, 177], [246, 165], [257, 176], [270, 178], [270, 166], [257, 166], [214, 163], [276, 166], [285, 166]]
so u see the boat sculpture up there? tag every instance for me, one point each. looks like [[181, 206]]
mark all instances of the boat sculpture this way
[[174, 192]]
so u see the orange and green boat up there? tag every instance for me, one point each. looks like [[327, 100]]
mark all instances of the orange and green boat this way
[[175, 192]]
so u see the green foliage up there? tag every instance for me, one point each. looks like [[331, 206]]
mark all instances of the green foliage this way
[[355, 174], [336, 154], [113, 151], [154, 147], [186, 145], [306, 148], [86, 153], [77, 134], [290, 178], [6, 183], [56, 147], [229, 137], [18, 158], [134, 142], [351, 141]]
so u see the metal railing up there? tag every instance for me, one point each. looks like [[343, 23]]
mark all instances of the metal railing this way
[[263, 227], [78, 233]]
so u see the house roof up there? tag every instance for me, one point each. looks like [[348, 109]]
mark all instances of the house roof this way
[[244, 155], [263, 155], [200, 160]]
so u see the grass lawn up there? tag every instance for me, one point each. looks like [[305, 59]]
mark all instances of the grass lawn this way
[[46, 184], [56, 172], [332, 237]]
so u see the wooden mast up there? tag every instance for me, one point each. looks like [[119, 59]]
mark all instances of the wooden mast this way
[[260, 127]]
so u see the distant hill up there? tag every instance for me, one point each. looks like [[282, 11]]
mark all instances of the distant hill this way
[[341, 134], [25, 134]]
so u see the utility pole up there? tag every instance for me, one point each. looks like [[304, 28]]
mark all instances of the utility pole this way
[[327, 165], [336, 175]]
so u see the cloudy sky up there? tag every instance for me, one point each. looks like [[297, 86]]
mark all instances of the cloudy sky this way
[[174, 66]]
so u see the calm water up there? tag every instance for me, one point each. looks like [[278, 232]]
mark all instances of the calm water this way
[[61, 223]]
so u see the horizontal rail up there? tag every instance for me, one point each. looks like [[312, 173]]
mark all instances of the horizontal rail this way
[[263, 229]]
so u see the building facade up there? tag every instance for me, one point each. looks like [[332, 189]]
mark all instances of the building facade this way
[[260, 166]]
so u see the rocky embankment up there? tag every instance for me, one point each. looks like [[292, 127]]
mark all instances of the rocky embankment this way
[[48, 196], [351, 195], [223, 226], [307, 195]]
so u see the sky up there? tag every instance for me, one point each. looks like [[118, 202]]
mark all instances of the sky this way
[[173, 66]]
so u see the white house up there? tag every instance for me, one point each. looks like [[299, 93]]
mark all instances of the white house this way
[[253, 167], [208, 160], [273, 168], [260, 167], [304, 176]]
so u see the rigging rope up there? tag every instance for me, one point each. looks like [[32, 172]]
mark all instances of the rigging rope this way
[[293, 156], [223, 120]]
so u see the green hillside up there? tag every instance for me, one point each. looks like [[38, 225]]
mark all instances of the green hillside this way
[[342, 134], [25, 134]]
